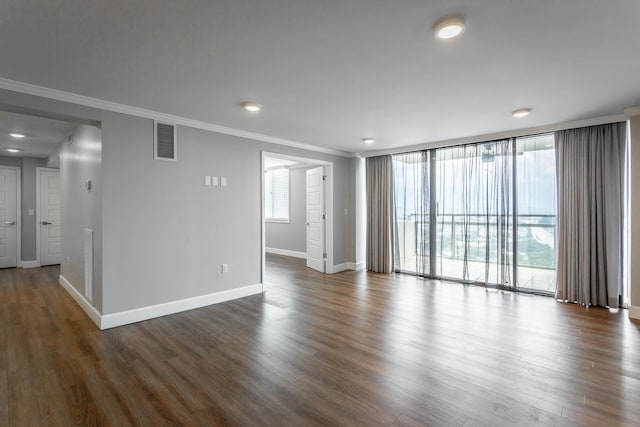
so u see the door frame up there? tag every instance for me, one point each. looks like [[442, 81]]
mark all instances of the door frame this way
[[38, 210], [18, 170], [328, 208]]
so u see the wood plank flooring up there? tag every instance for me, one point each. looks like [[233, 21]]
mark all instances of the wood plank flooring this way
[[344, 350]]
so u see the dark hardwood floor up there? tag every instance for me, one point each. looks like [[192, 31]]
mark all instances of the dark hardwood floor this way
[[345, 349]]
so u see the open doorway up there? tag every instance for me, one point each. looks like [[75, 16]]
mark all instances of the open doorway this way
[[28, 145], [297, 206]]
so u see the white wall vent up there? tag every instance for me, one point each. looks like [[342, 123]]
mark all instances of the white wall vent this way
[[164, 141]]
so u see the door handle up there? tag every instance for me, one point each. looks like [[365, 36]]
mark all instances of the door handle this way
[[8, 222], [46, 223], [306, 223]]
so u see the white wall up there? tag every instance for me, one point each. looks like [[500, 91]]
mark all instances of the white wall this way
[[291, 236], [164, 233], [80, 161]]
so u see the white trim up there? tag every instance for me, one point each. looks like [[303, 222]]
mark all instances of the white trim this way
[[82, 302], [286, 252], [634, 312], [501, 135], [29, 264], [358, 266], [145, 313], [87, 101], [355, 266], [106, 321], [633, 111], [341, 267], [38, 210]]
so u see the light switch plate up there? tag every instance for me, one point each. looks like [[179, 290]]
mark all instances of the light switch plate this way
[[30, 212], [214, 181], [207, 180], [223, 181]]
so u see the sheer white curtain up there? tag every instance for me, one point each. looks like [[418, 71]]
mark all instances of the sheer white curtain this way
[[590, 171], [412, 200], [474, 239], [380, 226]]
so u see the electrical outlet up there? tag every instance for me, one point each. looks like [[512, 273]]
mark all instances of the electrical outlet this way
[[225, 268]]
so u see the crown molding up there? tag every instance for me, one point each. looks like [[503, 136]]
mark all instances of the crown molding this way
[[87, 101], [502, 135], [633, 111]]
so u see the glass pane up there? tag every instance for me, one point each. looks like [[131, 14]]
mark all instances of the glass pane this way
[[474, 216], [536, 208], [411, 212]]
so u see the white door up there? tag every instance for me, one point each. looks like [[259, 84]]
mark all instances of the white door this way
[[8, 218], [49, 209], [315, 219]]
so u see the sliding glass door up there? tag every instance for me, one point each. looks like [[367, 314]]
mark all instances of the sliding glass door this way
[[478, 213], [412, 212], [474, 213], [536, 207]]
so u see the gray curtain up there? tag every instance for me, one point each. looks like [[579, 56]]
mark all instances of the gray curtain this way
[[380, 214], [590, 175]]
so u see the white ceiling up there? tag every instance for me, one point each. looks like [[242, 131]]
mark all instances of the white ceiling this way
[[329, 73], [42, 136]]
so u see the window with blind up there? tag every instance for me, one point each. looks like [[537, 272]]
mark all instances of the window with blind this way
[[277, 195]]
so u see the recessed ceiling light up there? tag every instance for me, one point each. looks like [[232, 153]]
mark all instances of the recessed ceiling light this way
[[13, 150], [521, 112], [449, 28], [16, 135], [368, 140], [253, 107]]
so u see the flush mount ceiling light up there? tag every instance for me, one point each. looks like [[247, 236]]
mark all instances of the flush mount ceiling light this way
[[522, 112], [13, 150], [449, 28], [253, 107], [368, 140], [16, 135]]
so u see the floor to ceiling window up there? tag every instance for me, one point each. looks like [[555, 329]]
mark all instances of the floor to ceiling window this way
[[457, 210], [536, 207]]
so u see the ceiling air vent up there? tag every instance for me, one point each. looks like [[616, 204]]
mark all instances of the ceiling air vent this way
[[164, 141]]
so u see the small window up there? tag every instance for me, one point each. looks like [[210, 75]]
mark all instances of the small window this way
[[276, 192]]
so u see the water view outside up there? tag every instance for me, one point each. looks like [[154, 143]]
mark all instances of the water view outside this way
[[474, 213]]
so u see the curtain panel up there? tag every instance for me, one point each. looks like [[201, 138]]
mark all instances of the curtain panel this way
[[590, 174], [380, 224]]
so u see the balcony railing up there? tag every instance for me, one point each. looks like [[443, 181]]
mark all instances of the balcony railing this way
[[457, 234]]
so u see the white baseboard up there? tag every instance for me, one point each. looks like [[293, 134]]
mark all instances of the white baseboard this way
[[347, 266], [81, 300], [286, 252], [145, 313], [341, 267], [634, 312], [358, 266], [29, 264]]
